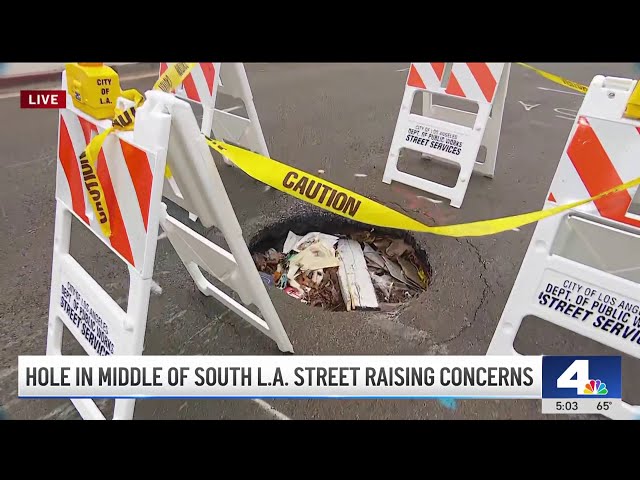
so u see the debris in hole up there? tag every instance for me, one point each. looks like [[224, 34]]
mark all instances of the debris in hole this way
[[355, 282], [360, 271]]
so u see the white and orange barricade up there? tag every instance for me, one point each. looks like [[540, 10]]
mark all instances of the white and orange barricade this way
[[449, 134], [130, 170], [582, 268], [202, 86]]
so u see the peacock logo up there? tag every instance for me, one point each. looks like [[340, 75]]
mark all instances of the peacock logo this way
[[595, 387]]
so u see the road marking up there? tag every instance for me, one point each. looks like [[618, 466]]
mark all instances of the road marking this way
[[560, 91], [432, 200], [360, 175], [403, 69], [231, 109], [528, 107], [123, 79], [270, 410], [22, 164], [566, 113]]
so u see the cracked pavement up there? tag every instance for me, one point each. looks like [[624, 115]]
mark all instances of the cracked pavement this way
[[338, 118]]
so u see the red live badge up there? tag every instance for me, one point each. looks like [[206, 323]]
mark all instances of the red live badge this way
[[43, 99]]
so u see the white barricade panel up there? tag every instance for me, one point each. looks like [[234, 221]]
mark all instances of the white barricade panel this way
[[203, 193], [445, 133], [201, 86], [131, 175], [581, 270], [126, 175]]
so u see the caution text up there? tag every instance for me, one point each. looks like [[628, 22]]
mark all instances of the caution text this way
[[322, 194]]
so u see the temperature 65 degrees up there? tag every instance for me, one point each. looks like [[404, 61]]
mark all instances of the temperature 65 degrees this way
[[604, 405]]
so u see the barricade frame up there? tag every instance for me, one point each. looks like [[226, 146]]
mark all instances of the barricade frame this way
[[162, 126], [485, 129], [545, 257], [230, 79], [128, 326]]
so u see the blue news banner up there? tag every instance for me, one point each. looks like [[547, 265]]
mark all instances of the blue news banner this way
[[581, 384]]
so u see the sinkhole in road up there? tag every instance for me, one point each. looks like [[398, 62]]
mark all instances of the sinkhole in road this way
[[334, 263]]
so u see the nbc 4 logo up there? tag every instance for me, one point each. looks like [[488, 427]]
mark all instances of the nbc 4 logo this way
[[577, 376]]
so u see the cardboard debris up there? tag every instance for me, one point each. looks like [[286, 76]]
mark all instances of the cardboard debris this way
[[410, 272], [365, 237], [382, 283], [382, 243], [397, 248], [373, 256], [394, 269], [290, 242], [355, 283], [316, 256], [328, 240]]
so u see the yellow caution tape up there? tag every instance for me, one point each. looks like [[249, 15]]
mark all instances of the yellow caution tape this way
[[633, 106], [173, 76], [334, 198], [557, 79], [123, 120], [94, 189]]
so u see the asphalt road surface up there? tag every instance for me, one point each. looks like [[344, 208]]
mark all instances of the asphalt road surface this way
[[338, 118]]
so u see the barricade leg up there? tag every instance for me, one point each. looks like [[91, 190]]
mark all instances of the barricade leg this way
[[207, 119], [124, 409], [61, 242], [237, 271], [491, 139], [391, 169], [202, 191], [247, 96]]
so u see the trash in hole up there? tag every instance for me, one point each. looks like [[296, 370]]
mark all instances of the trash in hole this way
[[361, 270]]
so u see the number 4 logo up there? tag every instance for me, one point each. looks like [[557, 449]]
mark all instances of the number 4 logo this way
[[576, 376]]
